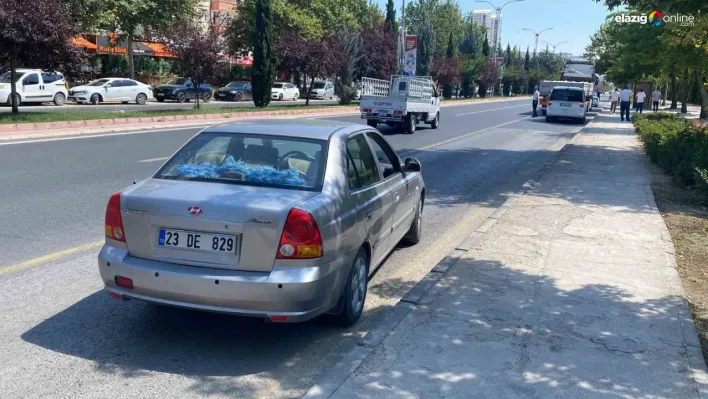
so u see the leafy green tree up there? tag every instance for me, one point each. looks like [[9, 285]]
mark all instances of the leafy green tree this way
[[445, 17], [391, 22], [351, 45], [426, 46], [36, 33], [264, 60], [485, 46]]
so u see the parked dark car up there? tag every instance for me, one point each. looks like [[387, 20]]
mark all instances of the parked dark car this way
[[181, 90], [235, 91]]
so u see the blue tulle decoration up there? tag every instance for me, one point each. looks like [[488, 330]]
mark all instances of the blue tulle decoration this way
[[252, 173]]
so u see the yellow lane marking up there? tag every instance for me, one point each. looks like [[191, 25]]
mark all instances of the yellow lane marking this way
[[50, 257]]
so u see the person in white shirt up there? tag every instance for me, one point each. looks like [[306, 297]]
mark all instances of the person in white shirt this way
[[625, 95], [614, 100], [641, 96], [655, 98], [536, 94]]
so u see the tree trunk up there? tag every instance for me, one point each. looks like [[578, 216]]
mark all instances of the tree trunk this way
[[666, 93], [131, 64], [674, 94], [685, 92], [13, 85], [702, 92], [309, 90]]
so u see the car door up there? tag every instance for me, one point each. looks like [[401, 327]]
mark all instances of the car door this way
[[401, 185], [114, 92], [48, 85], [371, 195], [289, 91], [31, 88], [329, 90], [190, 89], [247, 92], [130, 90]]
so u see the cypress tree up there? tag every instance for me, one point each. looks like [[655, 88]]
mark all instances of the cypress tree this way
[[391, 23], [264, 61]]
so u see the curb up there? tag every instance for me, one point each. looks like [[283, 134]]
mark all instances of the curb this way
[[332, 379]]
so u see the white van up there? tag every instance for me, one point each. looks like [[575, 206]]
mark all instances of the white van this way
[[566, 102], [34, 86]]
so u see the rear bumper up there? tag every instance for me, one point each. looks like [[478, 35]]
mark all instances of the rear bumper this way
[[382, 118], [300, 293]]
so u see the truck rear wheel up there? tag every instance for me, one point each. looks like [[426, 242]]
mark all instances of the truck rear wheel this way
[[436, 122], [372, 123], [409, 123]]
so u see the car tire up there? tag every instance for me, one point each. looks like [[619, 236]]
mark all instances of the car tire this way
[[582, 120], [280, 97], [436, 122], [59, 99], [181, 97], [549, 119], [372, 123], [18, 100], [351, 303], [160, 100], [295, 97], [238, 97], [95, 99], [409, 123], [415, 232], [141, 99], [206, 97]]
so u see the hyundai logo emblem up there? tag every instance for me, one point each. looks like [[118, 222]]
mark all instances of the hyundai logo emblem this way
[[195, 210]]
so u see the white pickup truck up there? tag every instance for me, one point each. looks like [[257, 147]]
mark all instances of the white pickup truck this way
[[403, 102]]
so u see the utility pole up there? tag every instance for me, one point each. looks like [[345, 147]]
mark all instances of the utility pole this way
[[535, 47], [402, 59], [497, 35]]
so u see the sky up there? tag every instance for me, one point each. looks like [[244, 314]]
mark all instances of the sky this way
[[573, 21]]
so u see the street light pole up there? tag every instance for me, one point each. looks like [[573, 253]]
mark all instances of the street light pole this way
[[554, 45], [497, 35], [537, 34]]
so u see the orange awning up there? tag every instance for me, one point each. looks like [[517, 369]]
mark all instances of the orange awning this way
[[160, 49], [81, 42]]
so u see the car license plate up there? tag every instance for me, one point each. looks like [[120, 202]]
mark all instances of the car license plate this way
[[160, 94], [565, 104], [197, 241]]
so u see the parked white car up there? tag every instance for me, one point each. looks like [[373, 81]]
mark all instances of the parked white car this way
[[322, 90], [111, 89], [284, 91], [566, 102], [34, 86]]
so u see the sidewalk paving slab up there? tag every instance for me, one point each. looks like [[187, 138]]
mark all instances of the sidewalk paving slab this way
[[571, 293]]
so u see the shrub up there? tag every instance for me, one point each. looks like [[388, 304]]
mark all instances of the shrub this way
[[676, 145]]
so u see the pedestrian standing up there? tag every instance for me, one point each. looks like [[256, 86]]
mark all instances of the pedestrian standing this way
[[655, 98], [624, 96], [614, 100], [641, 96], [536, 95]]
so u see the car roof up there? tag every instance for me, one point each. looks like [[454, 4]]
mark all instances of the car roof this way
[[312, 129], [25, 70], [567, 88]]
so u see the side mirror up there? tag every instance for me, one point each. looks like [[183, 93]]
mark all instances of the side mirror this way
[[108, 85], [412, 165]]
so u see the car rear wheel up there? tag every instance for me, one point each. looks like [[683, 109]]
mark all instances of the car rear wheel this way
[[237, 97], [436, 122], [416, 230], [59, 99], [410, 123], [18, 100], [141, 99], [354, 295], [206, 97], [181, 97], [372, 123], [95, 99]]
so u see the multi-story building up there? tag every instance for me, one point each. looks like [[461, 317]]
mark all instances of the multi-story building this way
[[211, 9], [488, 19]]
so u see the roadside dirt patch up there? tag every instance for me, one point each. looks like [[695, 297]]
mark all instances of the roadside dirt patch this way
[[685, 212]]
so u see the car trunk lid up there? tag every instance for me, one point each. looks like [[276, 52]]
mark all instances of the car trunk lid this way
[[253, 216]]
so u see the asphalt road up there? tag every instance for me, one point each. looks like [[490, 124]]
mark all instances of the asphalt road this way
[[61, 336], [151, 105]]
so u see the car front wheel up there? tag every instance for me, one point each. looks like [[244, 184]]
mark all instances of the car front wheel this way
[[181, 97], [354, 295], [141, 99], [59, 99], [95, 99]]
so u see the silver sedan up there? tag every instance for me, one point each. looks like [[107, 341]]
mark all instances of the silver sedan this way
[[279, 221]]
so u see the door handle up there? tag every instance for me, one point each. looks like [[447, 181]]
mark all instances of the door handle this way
[[369, 215], [398, 197]]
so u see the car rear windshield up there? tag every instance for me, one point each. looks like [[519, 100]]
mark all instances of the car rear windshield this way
[[240, 158], [567, 95], [277, 85]]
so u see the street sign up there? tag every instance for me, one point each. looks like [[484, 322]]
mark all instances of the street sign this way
[[410, 54]]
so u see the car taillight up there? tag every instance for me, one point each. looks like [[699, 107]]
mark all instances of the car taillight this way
[[301, 237], [114, 220], [367, 110], [398, 112]]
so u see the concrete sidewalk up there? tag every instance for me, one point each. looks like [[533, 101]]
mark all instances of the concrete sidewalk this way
[[570, 291]]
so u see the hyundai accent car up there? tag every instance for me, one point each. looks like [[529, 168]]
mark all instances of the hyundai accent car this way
[[278, 221], [111, 89]]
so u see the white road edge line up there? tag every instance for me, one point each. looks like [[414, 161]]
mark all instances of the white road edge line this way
[[152, 160], [489, 110], [92, 135]]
